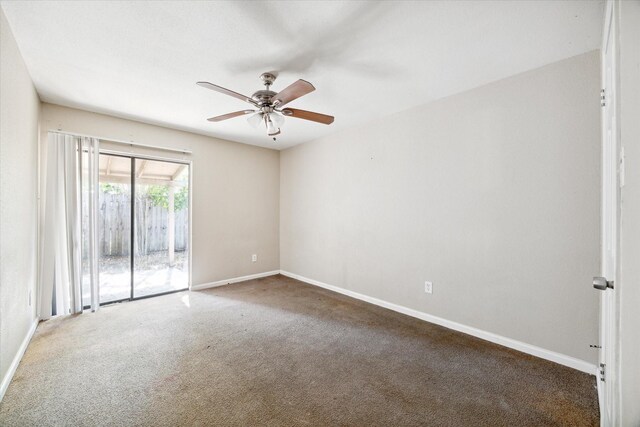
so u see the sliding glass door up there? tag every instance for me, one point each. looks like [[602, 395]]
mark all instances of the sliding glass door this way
[[161, 218], [143, 228]]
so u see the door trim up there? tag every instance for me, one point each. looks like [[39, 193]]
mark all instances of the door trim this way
[[609, 389]]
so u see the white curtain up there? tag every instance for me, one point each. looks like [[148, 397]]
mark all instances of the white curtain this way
[[71, 195]]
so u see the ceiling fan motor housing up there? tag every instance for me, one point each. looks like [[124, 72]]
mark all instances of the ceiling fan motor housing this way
[[263, 97]]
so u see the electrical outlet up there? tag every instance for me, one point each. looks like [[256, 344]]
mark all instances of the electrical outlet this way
[[428, 287], [254, 258]]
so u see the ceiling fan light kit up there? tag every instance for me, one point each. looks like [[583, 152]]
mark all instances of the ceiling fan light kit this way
[[269, 112]]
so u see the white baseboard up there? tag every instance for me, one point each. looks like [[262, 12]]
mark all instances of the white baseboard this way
[[553, 356], [234, 280], [16, 359]]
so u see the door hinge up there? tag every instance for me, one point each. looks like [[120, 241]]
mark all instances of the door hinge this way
[[603, 101], [602, 374]]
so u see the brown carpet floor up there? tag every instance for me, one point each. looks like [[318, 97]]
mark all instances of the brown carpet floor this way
[[277, 352]]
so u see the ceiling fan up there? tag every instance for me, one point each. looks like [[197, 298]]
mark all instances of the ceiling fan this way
[[269, 105]]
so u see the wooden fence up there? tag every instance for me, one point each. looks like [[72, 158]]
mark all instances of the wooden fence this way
[[114, 225]]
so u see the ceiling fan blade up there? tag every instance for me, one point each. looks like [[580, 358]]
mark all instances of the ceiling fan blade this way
[[308, 115], [291, 92], [227, 92], [230, 115]]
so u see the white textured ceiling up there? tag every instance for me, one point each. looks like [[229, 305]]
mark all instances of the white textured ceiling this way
[[140, 60]]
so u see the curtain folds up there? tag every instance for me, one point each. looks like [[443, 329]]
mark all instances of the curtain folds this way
[[69, 250]]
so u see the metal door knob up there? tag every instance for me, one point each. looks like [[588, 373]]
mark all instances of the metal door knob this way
[[602, 284]]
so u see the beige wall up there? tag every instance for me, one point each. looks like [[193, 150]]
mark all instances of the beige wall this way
[[492, 194], [629, 287], [19, 109], [235, 190]]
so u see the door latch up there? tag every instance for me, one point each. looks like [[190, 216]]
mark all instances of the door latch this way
[[602, 284]]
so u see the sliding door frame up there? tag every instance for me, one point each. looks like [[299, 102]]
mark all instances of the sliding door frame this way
[[133, 157], [132, 227]]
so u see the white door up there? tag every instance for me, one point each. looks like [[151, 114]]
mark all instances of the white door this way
[[606, 283]]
